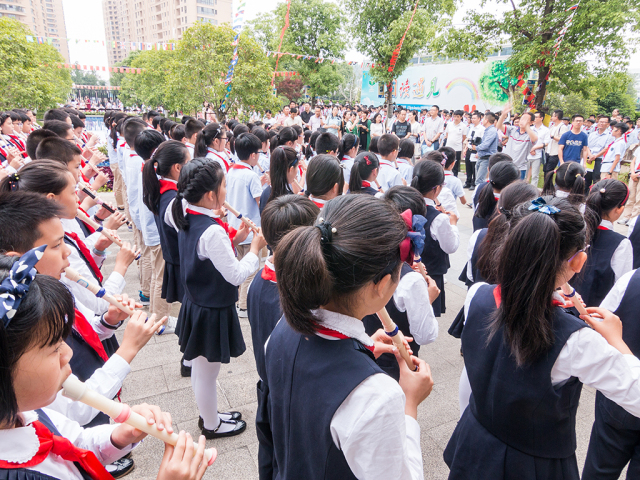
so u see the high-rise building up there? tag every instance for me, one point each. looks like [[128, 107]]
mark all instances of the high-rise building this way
[[155, 21], [45, 18]]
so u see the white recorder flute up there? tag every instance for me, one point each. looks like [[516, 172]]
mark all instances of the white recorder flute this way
[[238, 215], [98, 228], [98, 291], [397, 338], [94, 196], [577, 300], [121, 413]]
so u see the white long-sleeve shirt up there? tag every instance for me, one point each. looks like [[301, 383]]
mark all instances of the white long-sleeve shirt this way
[[443, 232], [622, 258], [376, 405], [412, 296], [21, 444], [587, 356], [388, 176]]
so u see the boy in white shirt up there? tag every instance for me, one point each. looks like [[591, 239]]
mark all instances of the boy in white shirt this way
[[243, 193], [456, 134], [611, 161], [191, 130], [388, 175]]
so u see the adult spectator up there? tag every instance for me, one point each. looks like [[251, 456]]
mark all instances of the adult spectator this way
[[433, 128], [488, 147], [520, 139], [268, 120], [476, 130], [334, 122], [557, 128], [306, 114], [455, 133], [573, 145], [293, 119], [598, 142], [401, 128], [364, 130], [535, 155], [316, 121]]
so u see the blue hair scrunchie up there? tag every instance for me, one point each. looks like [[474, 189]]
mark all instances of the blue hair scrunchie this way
[[418, 235], [541, 206], [16, 285]]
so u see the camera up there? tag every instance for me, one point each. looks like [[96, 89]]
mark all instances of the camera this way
[[476, 141]]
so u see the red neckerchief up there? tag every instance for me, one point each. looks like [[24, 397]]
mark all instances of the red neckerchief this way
[[318, 204], [332, 333], [166, 185], [18, 144], [602, 227], [237, 166], [226, 164], [497, 295], [268, 274], [86, 254], [53, 444], [231, 232], [4, 153], [365, 184], [89, 335], [91, 229]]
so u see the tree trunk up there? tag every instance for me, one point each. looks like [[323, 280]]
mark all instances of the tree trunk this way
[[389, 100], [540, 94]]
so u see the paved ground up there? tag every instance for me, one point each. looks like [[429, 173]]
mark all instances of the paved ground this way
[[155, 379]]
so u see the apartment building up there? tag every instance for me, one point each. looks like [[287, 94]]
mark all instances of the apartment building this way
[[156, 21], [45, 18]]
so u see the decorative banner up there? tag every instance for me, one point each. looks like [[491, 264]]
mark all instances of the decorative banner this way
[[284, 29], [238, 22], [286, 74], [396, 52], [95, 87], [126, 45], [92, 68]]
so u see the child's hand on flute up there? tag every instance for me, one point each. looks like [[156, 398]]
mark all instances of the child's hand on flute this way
[[114, 315], [241, 234], [115, 220], [180, 462], [124, 434], [103, 242], [137, 334], [416, 385], [125, 257], [384, 344], [609, 326], [258, 243]]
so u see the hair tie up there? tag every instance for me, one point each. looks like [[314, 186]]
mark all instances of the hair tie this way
[[413, 244], [578, 176], [444, 160], [13, 179], [16, 285], [326, 231], [603, 191], [540, 205]]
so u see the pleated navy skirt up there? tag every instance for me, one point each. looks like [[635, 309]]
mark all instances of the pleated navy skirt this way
[[172, 288], [438, 304], [213, 333]]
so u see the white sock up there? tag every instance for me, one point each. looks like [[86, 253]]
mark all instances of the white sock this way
[[203, 381], [187, 363]]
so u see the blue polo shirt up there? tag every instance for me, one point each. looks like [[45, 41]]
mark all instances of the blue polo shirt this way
[[573, 145]]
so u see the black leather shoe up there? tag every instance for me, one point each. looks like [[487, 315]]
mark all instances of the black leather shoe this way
[[120, 468], [234, 416], [240, 426], [184, 370]]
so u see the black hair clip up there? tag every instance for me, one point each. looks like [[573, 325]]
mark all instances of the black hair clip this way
[[326, 231]]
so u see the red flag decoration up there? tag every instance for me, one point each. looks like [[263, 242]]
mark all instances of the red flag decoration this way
[[284, 29], [396, 52], [520, 82]]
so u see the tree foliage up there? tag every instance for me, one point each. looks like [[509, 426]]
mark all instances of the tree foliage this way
[[185, 78], [531, 28], [79, 77], [378, 26], [315, 28], [25, 80], [290, 88]]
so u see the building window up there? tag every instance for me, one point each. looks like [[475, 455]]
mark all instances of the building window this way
[[207, 11], [208, 20]]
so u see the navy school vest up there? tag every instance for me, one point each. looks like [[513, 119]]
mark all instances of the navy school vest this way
[[597, 277], [435, 260], [308, 378], [519, 405], [263, 308], [629, 314], [369, 190], [475, 256], [203, 284], [25, 473], [634, 238], [168, 235]]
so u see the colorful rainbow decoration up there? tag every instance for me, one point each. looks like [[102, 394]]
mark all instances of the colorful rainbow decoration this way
[[464, 83]]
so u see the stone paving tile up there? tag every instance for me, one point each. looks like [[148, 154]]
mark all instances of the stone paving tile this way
[[156, 379]]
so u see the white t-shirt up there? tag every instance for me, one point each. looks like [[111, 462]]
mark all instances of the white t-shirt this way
[[454, 184], [474, 132], [454, 135], [617, 148]]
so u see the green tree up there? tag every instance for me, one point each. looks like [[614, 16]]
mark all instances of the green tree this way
[[115, 78], [351, 86], [315, 28], [151, 87], [572, 104], [496, 84], [378, 27], [531, 29], [622, 101], [80, 77], [29, 72]]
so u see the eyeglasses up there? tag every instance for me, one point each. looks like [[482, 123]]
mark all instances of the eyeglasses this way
[[579, 251], [224, 138]]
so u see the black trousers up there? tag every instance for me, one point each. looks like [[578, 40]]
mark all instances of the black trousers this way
[[551, 163], [471, 170], [456, 167], [591, 178]]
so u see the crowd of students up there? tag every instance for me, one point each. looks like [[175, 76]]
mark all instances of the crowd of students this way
[[309, 228]]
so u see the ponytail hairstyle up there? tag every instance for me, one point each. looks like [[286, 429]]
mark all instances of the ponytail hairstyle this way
[[406, 198], [167, 155], [323, 172], [312, 143], [533, 253], [308, 153], [427, 176], [205, 138], [450, 154], [319, 264], [284, 214], [117, 119], [513, 195], [197, 177], [438, 156], [364, 164], [281, 161], [604, 197], [349, 141], [273, 139], [44, 318], [231, 142], [569, 178], [287, 134], [41, 176], [500, 175]]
